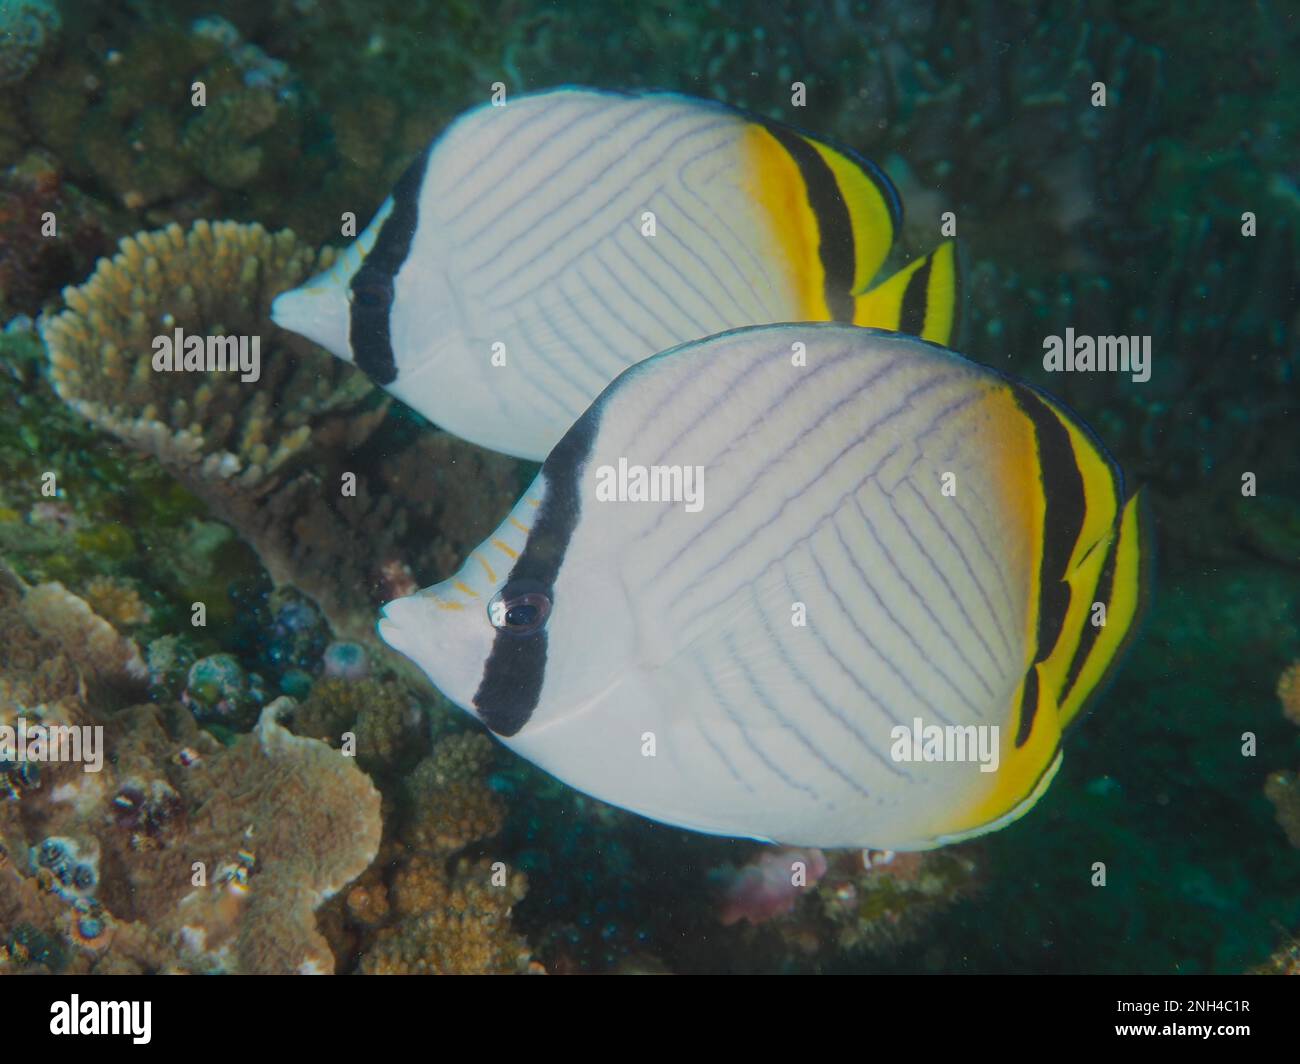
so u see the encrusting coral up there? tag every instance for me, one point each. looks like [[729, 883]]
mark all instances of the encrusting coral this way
[[103, 655], [178, 853], [433, 901]]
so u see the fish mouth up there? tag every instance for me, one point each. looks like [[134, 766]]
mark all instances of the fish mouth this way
[[318, 311], [398, 626]]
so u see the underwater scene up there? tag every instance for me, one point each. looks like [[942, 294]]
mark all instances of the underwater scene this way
[[505, 486]]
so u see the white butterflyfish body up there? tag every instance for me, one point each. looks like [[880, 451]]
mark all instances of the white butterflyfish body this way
[[872, 633], [535, 251]]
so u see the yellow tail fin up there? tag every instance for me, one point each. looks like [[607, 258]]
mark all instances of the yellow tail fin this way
[[920, 299], [1119, 588]]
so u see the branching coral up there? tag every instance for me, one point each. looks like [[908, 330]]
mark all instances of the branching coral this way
[[132, 121], [449, 804], [280, 458], [117, 602], [232, 442], [387, 723], [1288, 693], [216, 280], [427, 905], [457, 924]]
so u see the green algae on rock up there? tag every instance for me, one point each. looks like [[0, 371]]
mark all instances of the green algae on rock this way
[[27, 29]]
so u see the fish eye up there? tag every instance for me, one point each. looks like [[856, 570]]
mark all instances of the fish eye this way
[[519, 608]]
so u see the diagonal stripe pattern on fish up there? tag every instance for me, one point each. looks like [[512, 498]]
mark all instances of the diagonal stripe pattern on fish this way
[[510, 275], [944, 532]]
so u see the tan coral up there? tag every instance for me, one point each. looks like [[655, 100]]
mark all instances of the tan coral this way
[[309, 818], [409, 913], [368, 904], [465, 930], [217, 279], [58, 614], [118, 603], [1288, 692], [386, 720], [276, 824], [217, 139], [270, 457], [33, 668], [450, 802], [1283, 790]]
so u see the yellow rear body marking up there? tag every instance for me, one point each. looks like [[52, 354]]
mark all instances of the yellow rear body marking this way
[[1121, 611], [772, 179], [882, 307], [873, 228], [1019, 769]]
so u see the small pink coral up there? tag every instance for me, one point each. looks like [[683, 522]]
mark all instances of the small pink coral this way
[[769, 885]]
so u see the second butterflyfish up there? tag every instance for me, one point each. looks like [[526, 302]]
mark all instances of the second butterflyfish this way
[[853, 602], [536, 250]]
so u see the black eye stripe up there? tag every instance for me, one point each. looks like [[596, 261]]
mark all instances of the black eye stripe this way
[[373, 294], [371, 290], [513, 673]]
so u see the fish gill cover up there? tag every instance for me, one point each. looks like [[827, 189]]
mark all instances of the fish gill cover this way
[[210, 761]]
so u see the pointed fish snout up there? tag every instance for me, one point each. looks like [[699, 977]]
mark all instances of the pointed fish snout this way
[[318, 312]]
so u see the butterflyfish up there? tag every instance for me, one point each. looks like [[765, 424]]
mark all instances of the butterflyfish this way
[[849, 599], [536, 250]]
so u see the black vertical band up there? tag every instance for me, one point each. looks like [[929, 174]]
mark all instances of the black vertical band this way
[[1028, 707], [1063, 516], [1091, 632], [916, 298], [371, 290], [512, 679], [834, 225]]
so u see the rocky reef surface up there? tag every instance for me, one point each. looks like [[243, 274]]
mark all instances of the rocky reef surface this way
[[279, 794]]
